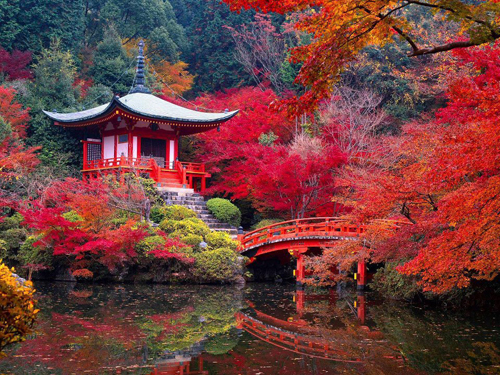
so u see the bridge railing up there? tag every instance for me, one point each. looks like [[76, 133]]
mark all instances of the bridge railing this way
[[323, 226]]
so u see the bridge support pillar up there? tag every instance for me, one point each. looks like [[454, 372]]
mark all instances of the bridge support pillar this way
[[361, 276]]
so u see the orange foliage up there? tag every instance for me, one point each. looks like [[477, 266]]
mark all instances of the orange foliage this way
[[443, 176], [341, 29], [171, 76]]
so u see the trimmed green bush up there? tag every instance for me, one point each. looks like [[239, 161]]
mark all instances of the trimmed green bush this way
[[265, 222], [217, 240], [184, 227], [174, 212], [224, 211], [192, 240], [221, 265]]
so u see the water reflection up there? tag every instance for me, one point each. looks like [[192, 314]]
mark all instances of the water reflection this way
[[262, 329]]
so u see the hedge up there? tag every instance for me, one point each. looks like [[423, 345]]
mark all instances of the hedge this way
[[224, 211]]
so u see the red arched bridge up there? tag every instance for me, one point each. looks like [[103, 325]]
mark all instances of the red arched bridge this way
[[298, 237]]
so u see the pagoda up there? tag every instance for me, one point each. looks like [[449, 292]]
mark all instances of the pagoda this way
[[139, 133]]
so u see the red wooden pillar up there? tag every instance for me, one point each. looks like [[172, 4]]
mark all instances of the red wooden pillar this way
[[130, 148], [361, 276], [85, 155], [299, 272], [203, 184]]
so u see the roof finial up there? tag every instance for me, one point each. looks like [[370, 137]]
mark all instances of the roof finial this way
[[139, 82]]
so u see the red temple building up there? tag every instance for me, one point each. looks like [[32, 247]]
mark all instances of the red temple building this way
[[139, 133]]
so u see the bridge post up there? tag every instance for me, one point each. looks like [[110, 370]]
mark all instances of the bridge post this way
[[361, 276]]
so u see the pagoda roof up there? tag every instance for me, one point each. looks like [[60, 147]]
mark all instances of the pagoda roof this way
[[142, 105]]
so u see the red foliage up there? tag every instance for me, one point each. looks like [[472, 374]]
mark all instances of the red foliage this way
[[15, 159], [293, 180], [444, 177], [75, 219], [14, 64]]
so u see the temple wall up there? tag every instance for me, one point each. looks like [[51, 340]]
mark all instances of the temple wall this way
[[109, 147]]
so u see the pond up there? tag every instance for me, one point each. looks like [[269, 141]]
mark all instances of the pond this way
[[259, 329]]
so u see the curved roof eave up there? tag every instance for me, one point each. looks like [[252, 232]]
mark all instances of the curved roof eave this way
[[105, 109]]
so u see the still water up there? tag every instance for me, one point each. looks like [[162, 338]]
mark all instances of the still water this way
[[259, 329]]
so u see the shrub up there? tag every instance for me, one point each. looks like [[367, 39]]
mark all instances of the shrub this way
[[192, 240], [34, 258], [17, 308], [72, 216], [265, 222], [13, 238], [221, 265], [11, 222], [224, 211], [83, 273], [175, 212], [150, 243], [391, 283], [217, 240], [184, 227]]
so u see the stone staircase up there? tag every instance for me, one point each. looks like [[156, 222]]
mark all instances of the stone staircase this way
[[195, 202]]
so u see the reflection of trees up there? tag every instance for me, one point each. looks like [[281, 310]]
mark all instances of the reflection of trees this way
[[105, 328], [207, 317], [436, 342]]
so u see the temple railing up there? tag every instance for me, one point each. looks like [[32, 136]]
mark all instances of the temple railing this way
[[194, 167], [122, 161]]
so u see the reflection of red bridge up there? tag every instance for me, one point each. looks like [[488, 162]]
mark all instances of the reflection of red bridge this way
[[298, 336], [301, 344], [299, 237]]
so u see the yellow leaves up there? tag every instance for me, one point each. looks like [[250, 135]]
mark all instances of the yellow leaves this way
[[17, 307]]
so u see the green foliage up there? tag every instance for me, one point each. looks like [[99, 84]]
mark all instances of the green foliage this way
[[11, 222], [182, 228], [150, 243], [149, 186], [111, 65], [52, 89], [219, 265], [224, 211], [30, 254], [192, 240], [3, 249], [265, 222], [33, 24], [217, 240], [13, 239], [211, 57], [173, 212], [5, 129], [388, 281], [222, 343], [12, 235], [268, 139], [72, 216]]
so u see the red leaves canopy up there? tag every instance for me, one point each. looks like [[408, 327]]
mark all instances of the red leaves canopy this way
[[445, 177], [292, 177]]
